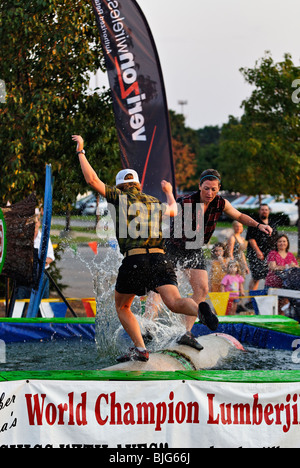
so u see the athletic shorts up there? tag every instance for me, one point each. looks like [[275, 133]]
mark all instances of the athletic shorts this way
[[186, 259], [141, 274]]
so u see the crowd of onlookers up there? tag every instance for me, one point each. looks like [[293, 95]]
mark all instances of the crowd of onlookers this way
[[262, 256]]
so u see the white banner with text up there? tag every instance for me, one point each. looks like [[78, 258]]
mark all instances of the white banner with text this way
[[158, 414]]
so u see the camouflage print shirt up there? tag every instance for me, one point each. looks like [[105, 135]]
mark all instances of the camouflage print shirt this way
[[137, 218]]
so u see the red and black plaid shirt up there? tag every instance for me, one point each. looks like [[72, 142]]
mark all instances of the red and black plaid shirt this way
[[211, 217]]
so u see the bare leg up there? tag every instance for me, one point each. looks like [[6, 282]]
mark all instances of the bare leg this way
[[254, 284], [173, 300], [128, 319], [199, 281], [233, 309]]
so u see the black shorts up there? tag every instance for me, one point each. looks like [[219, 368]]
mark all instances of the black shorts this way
[[259, 268], [186, 259], [141, 274]]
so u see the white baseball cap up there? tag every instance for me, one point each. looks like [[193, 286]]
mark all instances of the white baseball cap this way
[[120, 179]]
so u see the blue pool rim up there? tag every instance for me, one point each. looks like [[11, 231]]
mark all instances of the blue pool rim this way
[[267, 332]]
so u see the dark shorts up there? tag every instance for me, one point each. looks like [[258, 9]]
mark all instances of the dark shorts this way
[[186, 259], [259, 268], [141, 274]]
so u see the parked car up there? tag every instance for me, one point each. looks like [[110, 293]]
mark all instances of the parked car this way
[[267, 199], [82, 202], [87, 205], [91, 208], [288, 208], [251, 203], [238, 203], [276, 204]]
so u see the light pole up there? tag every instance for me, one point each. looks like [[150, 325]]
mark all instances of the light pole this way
[[182, 104]]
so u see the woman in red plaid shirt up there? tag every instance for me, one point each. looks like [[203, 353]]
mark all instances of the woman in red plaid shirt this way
[[202, 209]]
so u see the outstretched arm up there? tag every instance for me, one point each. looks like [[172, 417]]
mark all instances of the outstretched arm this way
[[246, 220], [89, 174]]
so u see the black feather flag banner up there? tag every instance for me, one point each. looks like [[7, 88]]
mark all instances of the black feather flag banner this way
[[139, 98]]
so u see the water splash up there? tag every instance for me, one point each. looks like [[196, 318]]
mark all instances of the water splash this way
[[110, 336], [104, 270], [107, 322], [159, 326], [157, 323]]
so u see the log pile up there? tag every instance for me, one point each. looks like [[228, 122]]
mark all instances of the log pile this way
[[20, 226]]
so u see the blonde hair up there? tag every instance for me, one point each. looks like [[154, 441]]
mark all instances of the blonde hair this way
[[236, 264]]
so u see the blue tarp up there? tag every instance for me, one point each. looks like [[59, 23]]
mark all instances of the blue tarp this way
[[252, 336], [47, 330], [20, 332]]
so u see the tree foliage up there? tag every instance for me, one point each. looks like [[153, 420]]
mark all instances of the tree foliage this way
[[185, 165], [194, 151], [261, 152], [48, 49]]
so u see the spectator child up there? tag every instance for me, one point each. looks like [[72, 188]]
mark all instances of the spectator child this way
[[218, 267], [233, 282]]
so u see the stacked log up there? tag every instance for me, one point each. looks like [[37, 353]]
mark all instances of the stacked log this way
[[20, 226]]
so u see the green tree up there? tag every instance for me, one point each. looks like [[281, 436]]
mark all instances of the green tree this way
[[261, 152], [203, 144], [48, 49], [208, 149]]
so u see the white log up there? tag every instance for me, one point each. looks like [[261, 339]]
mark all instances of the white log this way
[[216, 347]]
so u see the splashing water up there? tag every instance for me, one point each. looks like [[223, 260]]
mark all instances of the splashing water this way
[[155, 320], [158, 324], [104, 269], [107, 321]]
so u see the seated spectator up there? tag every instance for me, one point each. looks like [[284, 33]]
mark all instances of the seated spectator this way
[[218, 268], [280, 259], [237, 246]]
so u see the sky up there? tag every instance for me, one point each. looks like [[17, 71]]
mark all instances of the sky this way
[[202, 44]]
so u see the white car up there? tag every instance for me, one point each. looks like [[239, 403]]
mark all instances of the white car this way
[[82, 201], [239, 202], [265, 199], [289, 209], [91, 209]]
